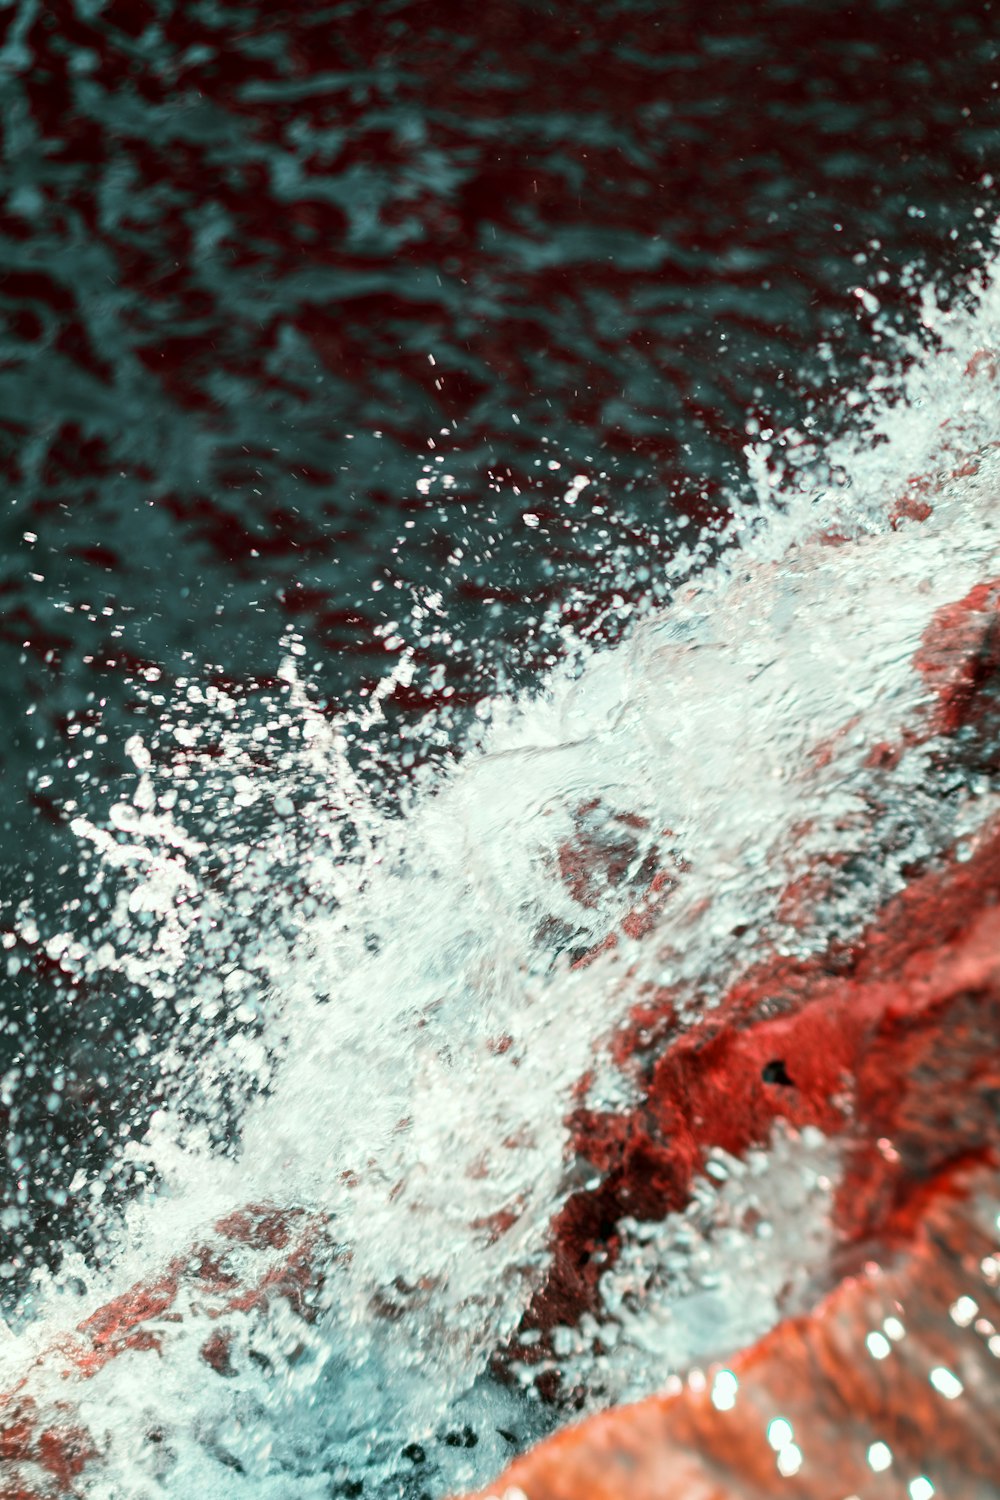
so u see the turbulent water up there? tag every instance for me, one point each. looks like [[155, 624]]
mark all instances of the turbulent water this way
[[364, 998], [417, 441]]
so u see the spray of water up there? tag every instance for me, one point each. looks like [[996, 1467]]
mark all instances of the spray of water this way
[[363, 997]]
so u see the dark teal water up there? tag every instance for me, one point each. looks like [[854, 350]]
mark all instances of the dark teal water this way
[[268, 275]]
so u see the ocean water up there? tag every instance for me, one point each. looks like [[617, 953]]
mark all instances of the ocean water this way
[[403, 490]]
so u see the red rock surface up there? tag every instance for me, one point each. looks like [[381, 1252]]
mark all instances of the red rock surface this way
[[847, 1409], [900, 1057], [892, 1045], [891, 1039]]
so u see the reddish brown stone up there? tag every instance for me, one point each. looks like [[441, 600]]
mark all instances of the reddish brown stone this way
[[260, 1225], [17, 1428], [891, 1044], [820, 1376], [901, 1047], [960, 650], [215, 1352]]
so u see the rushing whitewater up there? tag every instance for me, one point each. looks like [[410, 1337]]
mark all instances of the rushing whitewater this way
[[373, 1004]]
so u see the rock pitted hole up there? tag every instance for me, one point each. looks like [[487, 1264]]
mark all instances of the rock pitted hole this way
[[776, 1072]]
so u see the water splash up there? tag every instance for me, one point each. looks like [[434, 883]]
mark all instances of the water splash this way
[[677, 1295], [371, 996]]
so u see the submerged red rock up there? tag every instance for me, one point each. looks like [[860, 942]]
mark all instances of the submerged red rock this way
[[243, 1267]]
